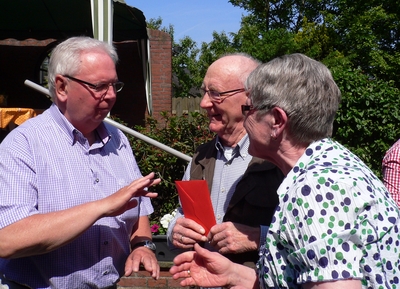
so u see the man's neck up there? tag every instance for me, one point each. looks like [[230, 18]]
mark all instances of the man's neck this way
[[232, 140], [91, 137]]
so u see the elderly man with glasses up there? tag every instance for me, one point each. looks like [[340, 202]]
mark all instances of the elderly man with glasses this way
[[74, 206], [243, 188]]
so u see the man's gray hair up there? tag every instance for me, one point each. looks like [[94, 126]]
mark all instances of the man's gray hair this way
[[65, 59], [304, 88]]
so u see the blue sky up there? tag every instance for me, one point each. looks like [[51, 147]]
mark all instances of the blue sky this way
[[193, 18]]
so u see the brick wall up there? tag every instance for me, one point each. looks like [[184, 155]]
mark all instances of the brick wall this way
[[161, 70], [143, 280]]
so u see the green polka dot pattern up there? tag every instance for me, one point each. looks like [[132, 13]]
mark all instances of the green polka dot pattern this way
[[335, 221]]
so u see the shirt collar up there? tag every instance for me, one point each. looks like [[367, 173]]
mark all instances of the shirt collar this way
[[241, 148]]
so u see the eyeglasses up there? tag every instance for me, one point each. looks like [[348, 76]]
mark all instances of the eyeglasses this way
[[101, 87], [217, 96], [246, 109]]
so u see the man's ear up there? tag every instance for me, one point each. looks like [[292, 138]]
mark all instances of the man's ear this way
[[61, 88]]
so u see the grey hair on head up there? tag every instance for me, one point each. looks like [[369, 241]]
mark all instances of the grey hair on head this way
[[304, 88], [65, 59]]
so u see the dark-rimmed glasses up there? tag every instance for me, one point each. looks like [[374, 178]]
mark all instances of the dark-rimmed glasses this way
[[246, 108], [218, 96], [102, 87]]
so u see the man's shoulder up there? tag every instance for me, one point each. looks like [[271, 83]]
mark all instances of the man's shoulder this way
[[33, 127], [205, 150], [257, 164], [206, 146]]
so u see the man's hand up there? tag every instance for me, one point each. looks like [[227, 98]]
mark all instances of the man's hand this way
[[122, 200], [142, 255], [234, 238], [186, 233]]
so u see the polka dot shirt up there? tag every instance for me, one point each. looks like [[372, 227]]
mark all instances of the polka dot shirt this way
[[335, 221]]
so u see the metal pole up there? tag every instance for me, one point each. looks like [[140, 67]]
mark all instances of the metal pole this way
[[121, 127]]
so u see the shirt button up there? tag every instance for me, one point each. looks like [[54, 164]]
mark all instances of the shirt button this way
[[105, 242], [97, 180], [106, 272]]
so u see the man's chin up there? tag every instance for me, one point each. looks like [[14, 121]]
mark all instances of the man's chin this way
[[102, 113], [215, 127]]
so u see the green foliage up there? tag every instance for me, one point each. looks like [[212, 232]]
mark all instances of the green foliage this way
[[185, 67], [314, 40], [180, 134], [281, 14], [156, 24], [358, 40], [221, 44], [369, 34], [368, 119], [273, 42]]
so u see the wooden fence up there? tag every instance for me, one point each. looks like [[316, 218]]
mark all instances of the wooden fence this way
[[182, 106]]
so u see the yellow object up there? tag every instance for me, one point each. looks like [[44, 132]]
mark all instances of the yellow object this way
[[15, 116]]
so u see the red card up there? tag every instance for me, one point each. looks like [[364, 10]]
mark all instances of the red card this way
[[196, 203]]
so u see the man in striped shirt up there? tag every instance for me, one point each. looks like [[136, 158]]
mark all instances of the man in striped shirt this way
[[73, 204]]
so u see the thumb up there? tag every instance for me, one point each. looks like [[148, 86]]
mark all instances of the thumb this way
[[200, 250]]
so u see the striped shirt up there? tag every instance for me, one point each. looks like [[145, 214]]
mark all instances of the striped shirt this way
[[47, 165]]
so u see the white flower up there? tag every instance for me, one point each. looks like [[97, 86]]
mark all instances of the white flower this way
[[167, 218]]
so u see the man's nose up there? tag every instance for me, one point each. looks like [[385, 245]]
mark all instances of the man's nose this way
[[110, 93], [206, 101]]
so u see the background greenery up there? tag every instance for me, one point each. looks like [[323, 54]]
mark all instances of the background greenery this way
[[357, 39]]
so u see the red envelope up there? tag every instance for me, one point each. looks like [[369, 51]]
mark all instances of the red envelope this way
[[196, 203]]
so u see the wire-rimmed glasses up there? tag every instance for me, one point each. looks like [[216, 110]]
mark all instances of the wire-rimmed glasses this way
[[218, 96]]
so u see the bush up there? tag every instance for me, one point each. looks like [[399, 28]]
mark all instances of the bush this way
[[184, 134], [368, 119]]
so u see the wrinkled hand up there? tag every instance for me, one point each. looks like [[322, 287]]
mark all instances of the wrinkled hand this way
[[234, 238], [121, 201], [186, 233], [142, 255], [207, 269]]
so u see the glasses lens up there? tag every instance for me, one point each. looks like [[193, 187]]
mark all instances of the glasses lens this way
[[101, 87], [214, 94], [118, 86], [211, 93], [246, 109]]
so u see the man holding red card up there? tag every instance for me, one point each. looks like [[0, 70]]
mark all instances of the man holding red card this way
[[242, 188]]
